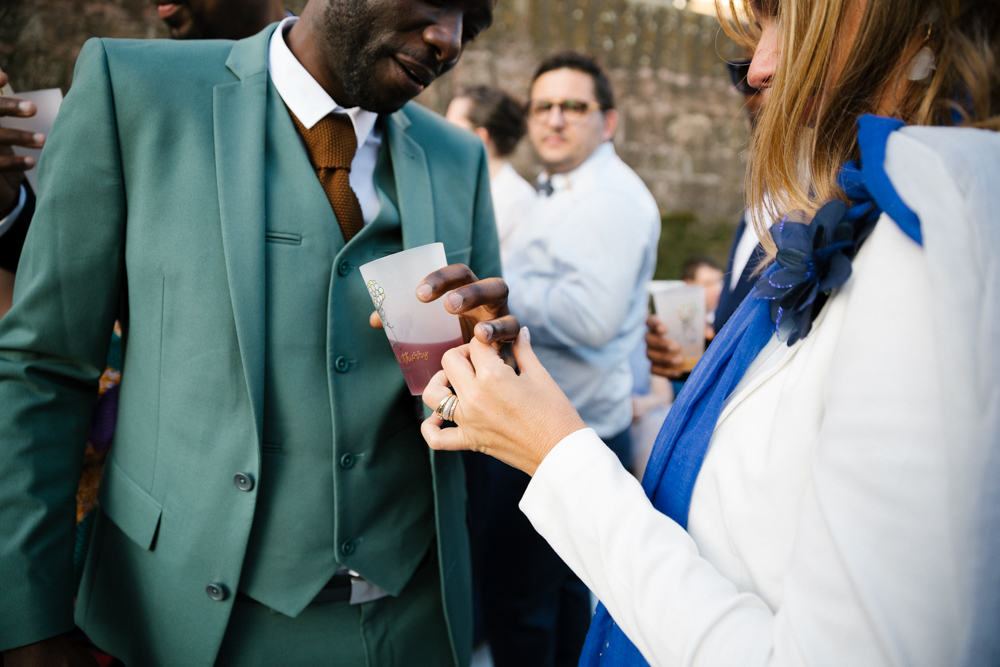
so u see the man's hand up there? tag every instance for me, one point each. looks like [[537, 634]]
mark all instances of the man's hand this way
[[481, 305], [663, 352], [53, 652], [12, 167]]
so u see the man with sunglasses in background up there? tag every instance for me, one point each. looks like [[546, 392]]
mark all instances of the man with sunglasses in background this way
[[577, 274]]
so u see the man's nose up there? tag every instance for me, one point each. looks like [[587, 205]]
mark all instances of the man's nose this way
[[556, 117], [445, 36]]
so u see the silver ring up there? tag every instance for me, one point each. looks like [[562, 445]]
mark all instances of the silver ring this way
[[449, 410]]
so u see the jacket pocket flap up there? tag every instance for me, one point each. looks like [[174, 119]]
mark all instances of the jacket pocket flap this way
[[131, 509]]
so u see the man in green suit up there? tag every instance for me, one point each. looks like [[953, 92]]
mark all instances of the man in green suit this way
[[268, 498]]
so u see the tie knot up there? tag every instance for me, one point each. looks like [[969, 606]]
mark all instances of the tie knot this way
[[331, 142]]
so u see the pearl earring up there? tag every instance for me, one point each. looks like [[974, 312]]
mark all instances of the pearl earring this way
[[923, 63]]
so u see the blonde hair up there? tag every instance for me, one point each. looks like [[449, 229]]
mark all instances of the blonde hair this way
[[796, 162]]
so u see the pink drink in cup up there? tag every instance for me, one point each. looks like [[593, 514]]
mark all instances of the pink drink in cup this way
[[420, 333]]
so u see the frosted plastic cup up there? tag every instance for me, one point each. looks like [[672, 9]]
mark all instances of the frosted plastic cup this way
[[682, 308], [420, 333]]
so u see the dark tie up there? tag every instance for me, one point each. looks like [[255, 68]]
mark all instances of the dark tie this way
[[545, 188], [331, 144]]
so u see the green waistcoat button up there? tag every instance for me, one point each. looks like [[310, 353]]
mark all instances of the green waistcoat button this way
[[343, 268], [347, 461], [340, 364], [347, 548]]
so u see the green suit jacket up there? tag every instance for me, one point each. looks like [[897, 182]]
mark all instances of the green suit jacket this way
[[153, 186]]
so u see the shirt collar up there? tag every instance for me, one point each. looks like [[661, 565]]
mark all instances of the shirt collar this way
[[301, 93], [588, 169]]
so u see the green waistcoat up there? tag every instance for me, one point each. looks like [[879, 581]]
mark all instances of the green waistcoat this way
[[295, 546]]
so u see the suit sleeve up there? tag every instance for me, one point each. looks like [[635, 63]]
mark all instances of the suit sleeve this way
[[485, 258], [53, 347]]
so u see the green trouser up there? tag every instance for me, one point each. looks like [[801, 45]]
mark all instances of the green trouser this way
[[404, 631]]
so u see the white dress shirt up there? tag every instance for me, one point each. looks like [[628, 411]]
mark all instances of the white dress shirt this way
[[309, 102], [577, 270], [513, 199], [834, 519]]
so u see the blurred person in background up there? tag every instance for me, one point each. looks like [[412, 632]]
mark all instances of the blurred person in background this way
[[704, 272], [745, 257], [577, 269], [498, 119], [248, 516]]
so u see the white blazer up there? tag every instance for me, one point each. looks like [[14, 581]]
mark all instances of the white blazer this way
[[834, 520]]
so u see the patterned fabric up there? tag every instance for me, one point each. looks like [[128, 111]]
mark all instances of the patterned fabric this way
[[331, 144], [102, 431]]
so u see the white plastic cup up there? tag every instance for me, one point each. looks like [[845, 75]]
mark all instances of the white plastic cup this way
[[682, 308], [420, 333]]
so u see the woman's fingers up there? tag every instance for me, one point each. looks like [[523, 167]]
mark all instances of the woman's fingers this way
[[436, 390], [441, 438], [458, 366], [525, 356]]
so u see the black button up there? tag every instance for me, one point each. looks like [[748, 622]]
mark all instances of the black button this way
[[343, 268], [243, 481], [347, 548], [340, 364], [347, 461], [217, 592]]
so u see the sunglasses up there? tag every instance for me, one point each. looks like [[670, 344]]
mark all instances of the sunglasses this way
[[572, 110], [738, 71]]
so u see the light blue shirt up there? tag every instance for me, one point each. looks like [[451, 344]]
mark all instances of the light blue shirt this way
[[577, 271]]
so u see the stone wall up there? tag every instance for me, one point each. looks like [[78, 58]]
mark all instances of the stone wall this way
[[682, 127]]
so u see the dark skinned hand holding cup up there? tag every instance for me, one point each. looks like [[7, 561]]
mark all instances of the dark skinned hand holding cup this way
[[480, 305]]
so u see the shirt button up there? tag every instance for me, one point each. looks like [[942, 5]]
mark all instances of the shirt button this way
[[217, 592], [343, 268], [340, 364], [347, 461], [347, 548], [243, 481]]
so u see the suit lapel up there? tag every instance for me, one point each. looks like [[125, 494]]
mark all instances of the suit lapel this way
[[239, 114], [413, 183]]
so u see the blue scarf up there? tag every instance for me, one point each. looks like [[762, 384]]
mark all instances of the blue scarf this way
[[683, 440]]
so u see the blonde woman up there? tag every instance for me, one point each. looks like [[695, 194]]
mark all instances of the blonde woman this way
[[825, 489]]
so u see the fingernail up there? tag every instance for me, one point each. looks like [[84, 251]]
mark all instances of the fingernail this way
[[525, 335], [38, 137], [424, 291], [454, 300], [26, 106], [29, 161], [486, 329]]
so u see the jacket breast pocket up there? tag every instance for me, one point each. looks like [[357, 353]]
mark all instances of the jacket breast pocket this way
[[130, 507]]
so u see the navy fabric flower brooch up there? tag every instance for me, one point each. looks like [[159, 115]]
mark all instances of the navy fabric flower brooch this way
[[812, 260]]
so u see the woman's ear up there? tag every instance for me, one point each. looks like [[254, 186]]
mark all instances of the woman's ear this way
[[484, 134]]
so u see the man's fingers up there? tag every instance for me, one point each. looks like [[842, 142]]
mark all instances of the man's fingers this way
[[16, 162], [501, 329], [443, 280], [11, 137], [657, 342], [656, 325], [490, 292], [12, 106], [671, 372]]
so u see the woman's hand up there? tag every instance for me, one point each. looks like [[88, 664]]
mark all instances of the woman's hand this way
[[517, 419]]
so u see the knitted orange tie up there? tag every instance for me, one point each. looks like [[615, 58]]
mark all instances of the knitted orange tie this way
[[331, 144]]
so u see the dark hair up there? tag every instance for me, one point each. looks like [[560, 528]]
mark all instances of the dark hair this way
[[580, 63], [691, 266], [500, 114]]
